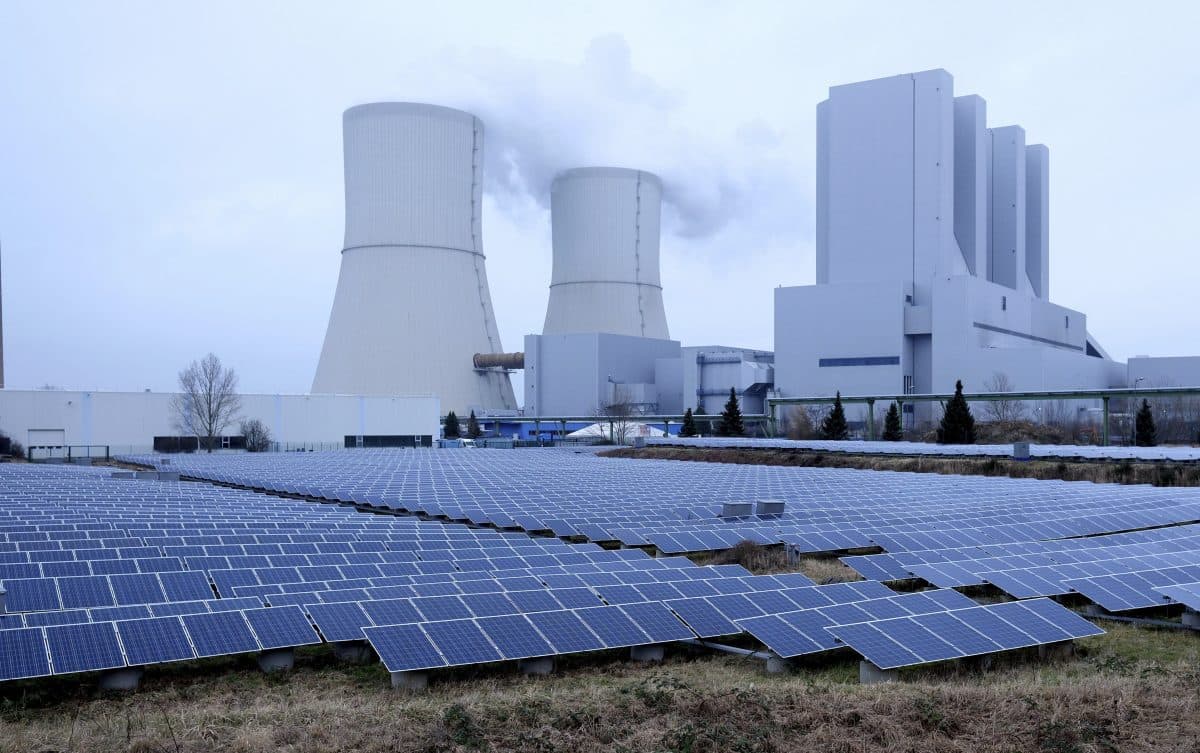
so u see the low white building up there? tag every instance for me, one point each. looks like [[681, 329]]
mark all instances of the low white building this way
[[130, 421]]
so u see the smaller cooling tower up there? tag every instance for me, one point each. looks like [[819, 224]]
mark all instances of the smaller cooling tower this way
[[605, 224]]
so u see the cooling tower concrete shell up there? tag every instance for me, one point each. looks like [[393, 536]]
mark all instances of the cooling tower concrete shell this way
[[605, 223], [412, 304]]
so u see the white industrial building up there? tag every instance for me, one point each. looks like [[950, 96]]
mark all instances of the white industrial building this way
[[131, 421], [932, 254], [412, 304]]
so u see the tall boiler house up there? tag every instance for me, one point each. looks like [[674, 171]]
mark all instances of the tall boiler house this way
[[412, 303]]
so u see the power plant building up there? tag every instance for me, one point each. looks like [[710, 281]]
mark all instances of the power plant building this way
[[412, 303], [932, 260]]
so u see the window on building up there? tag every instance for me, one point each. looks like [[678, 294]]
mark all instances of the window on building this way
[[1004, 303]]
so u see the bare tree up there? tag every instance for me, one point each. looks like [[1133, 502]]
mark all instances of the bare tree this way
[[1002, 410], [207, 401], [619, 412]]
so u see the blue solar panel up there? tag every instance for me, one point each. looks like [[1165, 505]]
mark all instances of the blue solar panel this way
[[137, 588], [515, 636], [489, 605], [534, 601], [703, 618], [175, 608], [404, 648], [875, 646], [85, 591], [565, 631], [658, 622], [220, 633], [343, 621], [32, 595], [391, 611], [154, 640], [281, 627], [110, 614], [573, 598], [23, 654], [64, 617], [84, 648], [461, 642], [613, 626], [441, 607], [187, 585], [779, 635]]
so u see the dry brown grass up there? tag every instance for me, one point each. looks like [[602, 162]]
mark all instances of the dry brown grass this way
[[1157, 474], [1132, 691], [764, 560]]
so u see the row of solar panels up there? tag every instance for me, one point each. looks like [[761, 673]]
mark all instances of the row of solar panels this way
[[1090, 452], [95, 646]]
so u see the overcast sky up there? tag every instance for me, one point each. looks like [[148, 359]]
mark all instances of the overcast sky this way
[[171, 177]]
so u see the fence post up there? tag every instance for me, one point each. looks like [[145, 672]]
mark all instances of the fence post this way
[[871, 420], [1104, 430]]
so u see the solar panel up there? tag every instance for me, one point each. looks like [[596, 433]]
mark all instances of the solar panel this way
[[23, 654], [343, 621], [489, 605], [658, 622], [441, 608], [186, 585], [219, 633], [461, 642], [613, 626], [534, 601], [281, 627], [137, 588], [154, 640], [565, 632], [391, 611], [86, 591], [86, 647], [703, 618], [404, 648], [515, 636]]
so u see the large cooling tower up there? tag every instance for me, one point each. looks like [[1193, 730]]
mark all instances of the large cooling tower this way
[[412, 304], [605, 234]]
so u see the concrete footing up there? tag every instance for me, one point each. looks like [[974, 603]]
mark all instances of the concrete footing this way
[[121, 679], [410, 680], [1190, 618], [277, 660], [355, 652], [869, 674], [646, 653], [1060, 650], [776, 664], [542, 665]]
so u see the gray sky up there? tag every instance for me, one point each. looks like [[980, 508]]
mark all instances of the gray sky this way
[[170, 173]]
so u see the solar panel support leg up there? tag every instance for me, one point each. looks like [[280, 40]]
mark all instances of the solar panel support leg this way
[[646, 653], [410, 680], [121, 679], [869, 674], [1060, 650], [777, 664], [355, 652], [277, 660], [1189, 618], [542, 665]]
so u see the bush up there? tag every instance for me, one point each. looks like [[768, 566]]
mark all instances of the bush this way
[[451, 428], [834, 426], [892, 429], [257, 435], [731, 418], [689, 425], [958, 425], [1145, 435]]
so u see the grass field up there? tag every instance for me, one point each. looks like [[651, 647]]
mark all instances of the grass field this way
[[1131, 690], [1157, 474]]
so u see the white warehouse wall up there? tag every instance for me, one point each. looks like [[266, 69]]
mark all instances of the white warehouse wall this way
[[129, 421]]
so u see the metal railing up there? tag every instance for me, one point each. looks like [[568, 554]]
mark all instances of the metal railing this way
[[1105, 396], [67, 453]]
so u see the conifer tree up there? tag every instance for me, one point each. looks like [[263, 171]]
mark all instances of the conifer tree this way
[[834, 426], [958, 425], [1145, 435], [892, 430], [689, 425], [473, 430], [731, 418], [451, 428]]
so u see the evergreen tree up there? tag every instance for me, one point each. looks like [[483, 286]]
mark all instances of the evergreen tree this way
[[451, 428], [473, 430], [1145, 435], [958, 425], [731, 418], [892, 430], [689, 425], [834, 426]]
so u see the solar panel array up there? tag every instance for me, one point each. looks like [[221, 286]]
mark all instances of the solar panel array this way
[[861, 447], [677, 507], [102, 573]]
